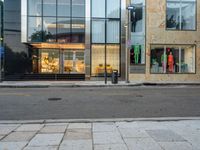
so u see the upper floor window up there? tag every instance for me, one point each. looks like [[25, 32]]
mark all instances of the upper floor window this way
[[181, 15]]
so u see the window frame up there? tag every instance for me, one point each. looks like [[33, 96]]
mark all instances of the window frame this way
[[168, 29], [175, 73]]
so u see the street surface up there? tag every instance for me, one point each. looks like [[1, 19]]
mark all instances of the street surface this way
[[99, 103]]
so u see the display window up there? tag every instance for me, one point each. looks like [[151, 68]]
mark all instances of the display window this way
[[181, 15], [172, 59], [99, 58]]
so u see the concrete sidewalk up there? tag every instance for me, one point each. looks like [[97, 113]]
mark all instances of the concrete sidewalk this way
[[134, 135], [46, 84]]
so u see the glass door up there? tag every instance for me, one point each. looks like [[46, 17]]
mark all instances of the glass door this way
[[73, 61]]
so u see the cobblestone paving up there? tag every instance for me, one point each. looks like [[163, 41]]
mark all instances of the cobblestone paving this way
[[137, 135]]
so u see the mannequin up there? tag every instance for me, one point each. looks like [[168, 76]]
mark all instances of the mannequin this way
[[136, 53], [164, 61], [171, 62]]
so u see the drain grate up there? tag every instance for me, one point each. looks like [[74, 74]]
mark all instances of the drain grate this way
[[54, 99]]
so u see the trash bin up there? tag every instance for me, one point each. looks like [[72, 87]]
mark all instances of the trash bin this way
[[114, 77]]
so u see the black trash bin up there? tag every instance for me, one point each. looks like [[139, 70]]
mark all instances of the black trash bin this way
[[114, 77]]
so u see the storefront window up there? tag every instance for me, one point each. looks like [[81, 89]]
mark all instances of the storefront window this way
[[64, 8], [78, 30], [181, 14], [35, 7], [49, 61], [49, 29], [137, 51], [34, 29], [172, 59]]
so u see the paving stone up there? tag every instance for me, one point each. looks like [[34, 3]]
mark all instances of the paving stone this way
[[79, 126], [12, 145], [30, 127], [194, 139], [142, 144], [110, 147], [1, 137], [127, 125], [176, 146], [76, 145], [57, 124], [104, 127], [46, 140], [42, 148], [78, 134], [107, 138], [53, 129], [19, 136], [133, 133], [165, 136], [4, 130]]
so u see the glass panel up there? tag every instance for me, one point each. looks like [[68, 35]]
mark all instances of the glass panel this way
[[187, 63], [98, 8], [78, 30], [79, 62], [98, 31], [68, 61], [35, 7], [173, 14], [34, 29], [113, 31], [98, 60], [49, 7], [137, 54], [158, 59], [138, 18], [49, 61], [112, 58], [188, 17], [63, 30], [78, 8], [49, 29], [63, 8], [113, 8]]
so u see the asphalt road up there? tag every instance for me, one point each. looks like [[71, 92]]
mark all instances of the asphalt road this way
[[85, 103]]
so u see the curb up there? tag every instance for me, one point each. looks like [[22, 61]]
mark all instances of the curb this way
[[107, 85], [47, 121]]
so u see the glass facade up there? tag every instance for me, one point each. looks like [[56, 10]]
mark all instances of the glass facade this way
[[172, 59], [61, 21], [105, 49], [181, 15], [137, 51]]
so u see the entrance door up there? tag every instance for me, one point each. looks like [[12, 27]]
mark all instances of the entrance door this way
[[73, 61]]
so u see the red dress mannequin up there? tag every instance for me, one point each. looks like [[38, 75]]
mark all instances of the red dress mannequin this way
[[171, 62]]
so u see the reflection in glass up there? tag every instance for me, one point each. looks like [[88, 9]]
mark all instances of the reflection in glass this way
[[78, 8], [63, 30], [49, 7], [113, 8], [98, 31], [113, 31], [49, 29], [63, 8], [49, 61], [188, 10], [35, 7], [78, 30], [137, 18], [98, 8], [34, 29]]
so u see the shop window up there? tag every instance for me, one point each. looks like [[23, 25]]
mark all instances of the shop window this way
[[49, 61], [98, 59], [181, 15], [172, 59]]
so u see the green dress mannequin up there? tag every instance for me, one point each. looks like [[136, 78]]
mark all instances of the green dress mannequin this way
[[136, 53]]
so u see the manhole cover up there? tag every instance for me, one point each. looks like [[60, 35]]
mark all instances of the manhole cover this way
[[54, 99], [138, 96]]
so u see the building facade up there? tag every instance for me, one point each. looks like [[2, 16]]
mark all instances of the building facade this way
[[88, 39]]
